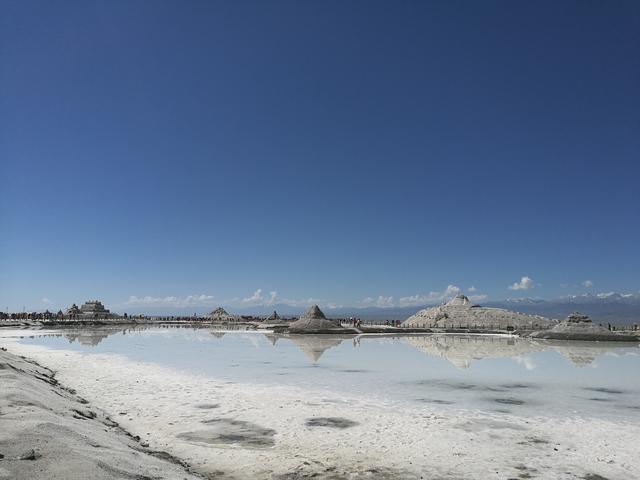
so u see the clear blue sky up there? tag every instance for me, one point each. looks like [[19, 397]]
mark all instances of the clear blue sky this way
[[326, 150]]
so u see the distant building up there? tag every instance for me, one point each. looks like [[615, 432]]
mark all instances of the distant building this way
[[89, 309], [73, 310]]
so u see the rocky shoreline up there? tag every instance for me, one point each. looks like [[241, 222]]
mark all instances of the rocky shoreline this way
[[48, 431]]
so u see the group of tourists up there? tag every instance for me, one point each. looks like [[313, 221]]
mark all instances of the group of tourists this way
[[355, 322]]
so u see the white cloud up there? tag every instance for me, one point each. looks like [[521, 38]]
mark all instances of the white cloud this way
[[273, 298], [171, 301], [587, 283], [259, 299], [333, 306], [424, 298], [525, 283], [46, 300], [381, 301], [256, 298], [472, 289], [477, 298], [303, 302]]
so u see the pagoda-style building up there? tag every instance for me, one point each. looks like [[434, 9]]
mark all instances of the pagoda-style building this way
[[89, 309]]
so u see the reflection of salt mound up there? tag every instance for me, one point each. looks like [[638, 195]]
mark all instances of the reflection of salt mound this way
[[272, 337], [580, 327], [462, 350], [460, 312], [313, 346], [217, 333], [313, 319], [220, 314], [584, 353]]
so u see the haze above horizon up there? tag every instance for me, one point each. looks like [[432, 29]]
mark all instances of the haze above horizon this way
[[192, 154]]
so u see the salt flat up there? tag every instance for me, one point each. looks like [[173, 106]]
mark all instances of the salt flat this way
[[246, 428]]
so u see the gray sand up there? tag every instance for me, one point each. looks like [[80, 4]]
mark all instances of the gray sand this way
[[49, 432]]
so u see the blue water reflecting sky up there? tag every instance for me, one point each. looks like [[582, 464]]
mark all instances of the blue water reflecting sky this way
[[496, 374]]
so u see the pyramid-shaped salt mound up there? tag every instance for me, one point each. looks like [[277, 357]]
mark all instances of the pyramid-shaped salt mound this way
[[220, 314], [459, 300], [273, 318], [314, 319]]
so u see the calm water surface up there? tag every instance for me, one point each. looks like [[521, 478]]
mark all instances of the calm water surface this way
[[486, 373]]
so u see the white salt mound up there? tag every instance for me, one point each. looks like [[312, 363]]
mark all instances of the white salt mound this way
[[314, 319], [220, 314], [580, 327], [460, 312]]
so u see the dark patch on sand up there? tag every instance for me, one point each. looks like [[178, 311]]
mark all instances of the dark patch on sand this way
[[435, 400], [208, 406], [534, 441], [509, 401], [594, 476], [224, 431], [515, 385], [611, 391], [524, 471], [354, 370], [502, 410], [481, 424], [453, 385], [444, 383], [321, 470], [600, 399], [331, 422], [83, 414]]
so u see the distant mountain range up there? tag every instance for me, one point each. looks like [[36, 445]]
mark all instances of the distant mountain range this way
[[612, 307], [615, 308]]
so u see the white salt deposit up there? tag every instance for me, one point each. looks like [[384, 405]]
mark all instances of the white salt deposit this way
[[249, 430]]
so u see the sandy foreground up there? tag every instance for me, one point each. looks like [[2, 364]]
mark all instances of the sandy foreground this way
[[246, 431], [47, 431]]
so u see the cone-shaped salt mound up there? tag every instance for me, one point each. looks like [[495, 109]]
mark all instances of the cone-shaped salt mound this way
[[314, 312], [313, 320], [220, 314], [274, 317], [459, 299]]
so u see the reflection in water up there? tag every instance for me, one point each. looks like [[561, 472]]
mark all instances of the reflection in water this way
[[460, 350], [272, 338], [313, 346], [583, 354], [442, 370]]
